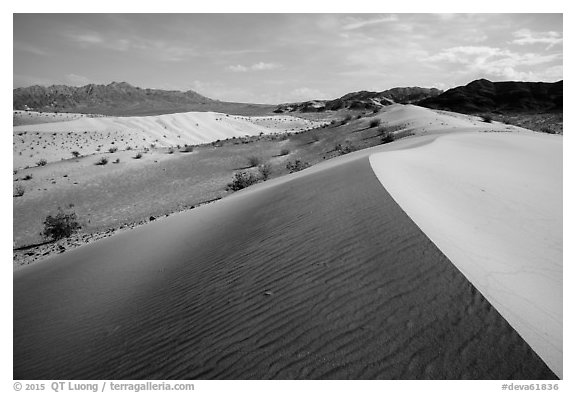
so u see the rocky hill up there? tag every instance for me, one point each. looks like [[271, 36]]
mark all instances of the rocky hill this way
[[482, 96], [122, 99], [363, 100]]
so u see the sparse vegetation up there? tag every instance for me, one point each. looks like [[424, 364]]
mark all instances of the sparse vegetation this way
[[42, 162], [19, 190], [387, 137], [375, 123], [188, 149], [284, 152], [487, 118], [116, 161], [27, 177], [242, 180], [296, 165], [138, 156], [113, 150], [171, 150], [347, 148], [61, 225], [265, 171], [102, 161], [254, 161], [75, 154], [547, 130]]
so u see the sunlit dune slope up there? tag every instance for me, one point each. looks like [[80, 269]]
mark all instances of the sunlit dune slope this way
[[492, 202]]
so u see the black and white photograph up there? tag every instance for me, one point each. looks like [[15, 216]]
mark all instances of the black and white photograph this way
[[287, 196]]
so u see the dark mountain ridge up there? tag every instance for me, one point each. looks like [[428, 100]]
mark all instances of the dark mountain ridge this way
[[363, 100], [482, 96]]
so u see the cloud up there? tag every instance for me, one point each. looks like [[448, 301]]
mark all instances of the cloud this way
[[76, 80], [162, 50], [527, 37], [260, 66], [306, 93], [22, 47], [499, 63], [87, 38], [357, 23], [238, 68]]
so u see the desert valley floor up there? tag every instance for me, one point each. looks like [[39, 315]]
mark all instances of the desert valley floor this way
[[436, 256]]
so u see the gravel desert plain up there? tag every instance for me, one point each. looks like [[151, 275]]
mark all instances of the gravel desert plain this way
[[390, 235]]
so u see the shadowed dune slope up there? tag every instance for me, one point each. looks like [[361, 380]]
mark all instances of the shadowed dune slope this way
[[321, 276]]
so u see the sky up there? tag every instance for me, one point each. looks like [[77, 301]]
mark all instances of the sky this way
[[277, 58]]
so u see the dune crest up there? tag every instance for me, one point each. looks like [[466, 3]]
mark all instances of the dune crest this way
[[492, 203]]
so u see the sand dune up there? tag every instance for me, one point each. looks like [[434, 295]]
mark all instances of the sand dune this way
[[314, 275], [56, 140], [493, 204]]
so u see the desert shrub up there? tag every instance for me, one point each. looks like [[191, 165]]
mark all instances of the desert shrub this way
[[242, 180], [27, 177], [387, 137], [347, 148], [487, 119], [284, 152], [102, 161], [375, 123], [61, 225], [116, 161], [188, 149], [75, 154], [297, 165], [42, 162], [254, 161], [265, 171], [19, 190], [113, 150], [129, 148], [138, 156], [171, 150]]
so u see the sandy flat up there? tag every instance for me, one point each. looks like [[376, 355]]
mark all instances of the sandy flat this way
[[315, 275], [492, 203]]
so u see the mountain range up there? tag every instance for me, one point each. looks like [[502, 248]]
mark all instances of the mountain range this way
[[123, 99], [363, 100], [485, 96]]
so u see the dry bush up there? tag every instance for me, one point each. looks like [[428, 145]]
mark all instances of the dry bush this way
[[296, 165], [242, 180], [19, 190], [375, 123], [102, 161], [61, 225], [254, 161]]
